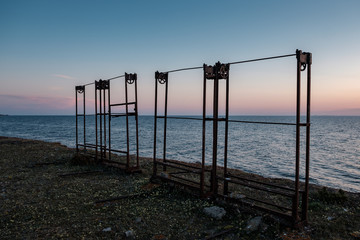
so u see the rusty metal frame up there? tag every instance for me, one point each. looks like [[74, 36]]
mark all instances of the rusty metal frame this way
[[176, 171], [213, 73], [103, 151], [298, 213]]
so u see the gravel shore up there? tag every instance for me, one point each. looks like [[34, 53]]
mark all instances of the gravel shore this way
[[42, 196]]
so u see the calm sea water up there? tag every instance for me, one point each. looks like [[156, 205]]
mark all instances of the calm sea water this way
[[268, 150]]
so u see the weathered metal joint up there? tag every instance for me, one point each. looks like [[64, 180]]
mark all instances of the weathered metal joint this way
[[102, 84], [130, 78], [219, 71], [305, 58], [209, 72], [80, 89], [161, 77], [222, 70]]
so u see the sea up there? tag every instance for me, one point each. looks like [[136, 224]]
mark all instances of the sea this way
[[268, 150]]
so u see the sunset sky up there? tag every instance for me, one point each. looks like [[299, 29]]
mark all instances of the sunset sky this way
[[48, 47]]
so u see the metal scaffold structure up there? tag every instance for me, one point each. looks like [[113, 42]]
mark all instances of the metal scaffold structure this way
[[211, 177], [217, 180], [102, 149]]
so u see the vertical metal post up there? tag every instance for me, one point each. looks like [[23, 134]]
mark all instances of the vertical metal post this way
[[165, 120], [297, 154], [203, 158], [109, 119], [155, 125], [84, 119], [76, 119], [104, 103], [308, 123], [127, 125], [100, 112], [214, 184], [226, 131], [136, 122], [96, 124]]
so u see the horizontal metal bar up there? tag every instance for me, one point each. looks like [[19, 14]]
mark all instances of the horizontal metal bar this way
[[87, 145], [273, 123], [89, 84], [115, 77], [259, 182], [239, 121], [262, 59], [224, 119], [218, 119], [184, 69], [87, 115], [181, 118], [260, 188], [192, 118], [121, 104], [185, 179], [179, 167], [200, 67], [184, 164], [123, 114], [104, 80], [272, 211], [118, 151], [245, 61], [179, 183], [102, 148]]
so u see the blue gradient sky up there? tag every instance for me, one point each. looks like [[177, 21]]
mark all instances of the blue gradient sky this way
[[48, 47]]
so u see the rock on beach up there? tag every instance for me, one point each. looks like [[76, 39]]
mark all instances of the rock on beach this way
[[215, 212]]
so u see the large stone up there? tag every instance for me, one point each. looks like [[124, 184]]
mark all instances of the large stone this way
[[215, 212], [108, 229], [129, 234], [253, 224]]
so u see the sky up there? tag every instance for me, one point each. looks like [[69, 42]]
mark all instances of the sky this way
[[48, 47]]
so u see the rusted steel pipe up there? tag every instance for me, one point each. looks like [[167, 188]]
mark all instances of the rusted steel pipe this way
[[155, 125], [308, 123]]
